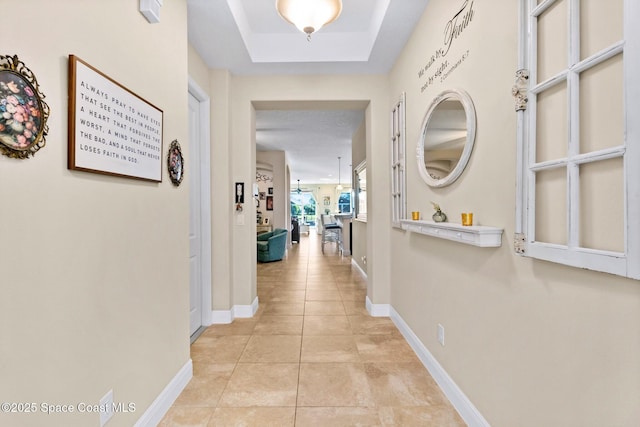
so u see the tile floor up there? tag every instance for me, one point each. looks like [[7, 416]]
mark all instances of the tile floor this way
[[311, 356]]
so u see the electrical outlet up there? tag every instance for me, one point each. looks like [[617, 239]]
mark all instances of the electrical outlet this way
[[106, 408], [441, 334]]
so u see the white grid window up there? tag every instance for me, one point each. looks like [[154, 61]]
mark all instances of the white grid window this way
[[578, 143], [398, 179]]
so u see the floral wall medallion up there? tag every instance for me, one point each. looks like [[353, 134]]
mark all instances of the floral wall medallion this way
[[175, 163], [23, 113]]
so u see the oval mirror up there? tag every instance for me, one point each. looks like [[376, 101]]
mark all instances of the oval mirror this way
[[446, 138]]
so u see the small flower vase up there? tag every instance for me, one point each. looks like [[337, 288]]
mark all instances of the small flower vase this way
[[439, 216]]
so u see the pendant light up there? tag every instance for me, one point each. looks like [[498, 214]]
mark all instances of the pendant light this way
[[339, 187], [309, 15], [298, 190]]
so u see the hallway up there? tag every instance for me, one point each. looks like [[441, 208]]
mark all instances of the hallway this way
[[311, 356]]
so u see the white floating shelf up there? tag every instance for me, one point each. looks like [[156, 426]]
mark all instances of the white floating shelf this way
[[476, 235]]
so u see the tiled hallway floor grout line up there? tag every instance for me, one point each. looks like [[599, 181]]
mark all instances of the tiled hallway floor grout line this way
[[306, 281], [311, 356]]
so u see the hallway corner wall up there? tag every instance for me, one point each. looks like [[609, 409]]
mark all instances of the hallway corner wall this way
[[95, 272], [531, 343], [222, 207]]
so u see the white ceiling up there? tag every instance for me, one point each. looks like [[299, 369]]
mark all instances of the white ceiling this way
[[313, 140], [248, 37]]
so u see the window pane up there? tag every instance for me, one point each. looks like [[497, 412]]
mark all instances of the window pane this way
[[602, 205], [551, 126], [395, 153], [601, 25], [601, 106], [552, 41], [303, 207], [344, 202], [396, 180], [551, 206]]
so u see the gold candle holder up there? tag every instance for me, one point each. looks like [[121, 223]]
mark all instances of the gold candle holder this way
[[467, 219], [415, 215]]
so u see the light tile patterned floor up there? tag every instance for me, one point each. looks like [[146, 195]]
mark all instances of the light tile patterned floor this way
[[311, 356]]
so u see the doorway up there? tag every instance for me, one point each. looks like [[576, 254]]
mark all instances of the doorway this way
[[316, 136]]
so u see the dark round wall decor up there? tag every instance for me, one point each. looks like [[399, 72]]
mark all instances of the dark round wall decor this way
[[23, 113], [175, 163]]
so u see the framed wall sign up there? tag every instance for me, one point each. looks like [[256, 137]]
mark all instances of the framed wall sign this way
[[23, 113], [112, 130]]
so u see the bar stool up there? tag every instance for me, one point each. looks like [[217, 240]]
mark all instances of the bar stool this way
[[331, 232]]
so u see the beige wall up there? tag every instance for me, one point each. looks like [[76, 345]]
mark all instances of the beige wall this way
[[358, 147], [198, 70], [531, 343], [222, 196], [359, 245], [95, 268]]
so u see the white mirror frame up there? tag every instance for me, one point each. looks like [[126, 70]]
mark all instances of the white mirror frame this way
[[470, 112], [359, 208]]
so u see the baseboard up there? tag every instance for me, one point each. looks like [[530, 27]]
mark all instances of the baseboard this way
[[245, 311], [377, 310], [458, 399], [355, 265], [223, 317], [160, 406]]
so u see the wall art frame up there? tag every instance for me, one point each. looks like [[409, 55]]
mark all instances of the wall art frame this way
[[175, 163], [23, 113], [112, 130]]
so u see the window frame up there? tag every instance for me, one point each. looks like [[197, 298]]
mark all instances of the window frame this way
[[398, 162], [625, 263]]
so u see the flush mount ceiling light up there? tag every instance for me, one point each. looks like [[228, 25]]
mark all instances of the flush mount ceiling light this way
[[309, 15]]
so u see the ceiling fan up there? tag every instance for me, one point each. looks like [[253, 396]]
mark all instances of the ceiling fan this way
[[301, 190]]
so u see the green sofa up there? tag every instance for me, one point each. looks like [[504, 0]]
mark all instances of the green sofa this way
[[272, 245]]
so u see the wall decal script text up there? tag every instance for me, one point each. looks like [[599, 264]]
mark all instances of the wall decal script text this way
[[440, 67]]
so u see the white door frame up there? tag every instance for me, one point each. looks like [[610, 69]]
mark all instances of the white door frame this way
[[205, 197]]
